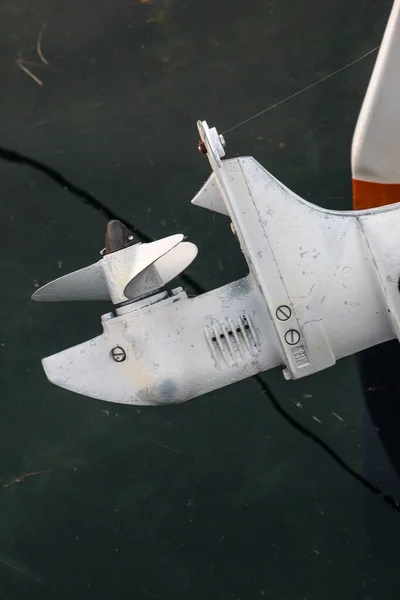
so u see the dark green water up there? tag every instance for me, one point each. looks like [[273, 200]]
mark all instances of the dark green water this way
[[220, 498]]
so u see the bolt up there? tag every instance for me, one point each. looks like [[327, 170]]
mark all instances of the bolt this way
[[202, 148], [283, 312], [118, 354], [222, 140]]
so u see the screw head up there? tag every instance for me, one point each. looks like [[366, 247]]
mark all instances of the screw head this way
[[118, 354], [292, 337], [283, 312]]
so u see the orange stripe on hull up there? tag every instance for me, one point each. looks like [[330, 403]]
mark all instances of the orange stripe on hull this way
[[367, 194]]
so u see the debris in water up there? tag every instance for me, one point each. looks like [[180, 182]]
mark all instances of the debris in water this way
[[20, 63], [297, 403], [337, 416], [22, 478], [39, 45]]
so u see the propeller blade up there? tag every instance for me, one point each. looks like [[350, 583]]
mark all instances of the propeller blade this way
[[166, 268], [88, 283], [375, 154], [131, 272], [123, 267], [147, 254]]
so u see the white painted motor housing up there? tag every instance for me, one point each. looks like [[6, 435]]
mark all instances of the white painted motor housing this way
[[321, 285]]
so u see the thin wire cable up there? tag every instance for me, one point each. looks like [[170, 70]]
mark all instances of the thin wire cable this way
[[265, 110]]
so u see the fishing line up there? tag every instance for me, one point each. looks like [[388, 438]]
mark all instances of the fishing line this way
[[15, 157], [265, 110]]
